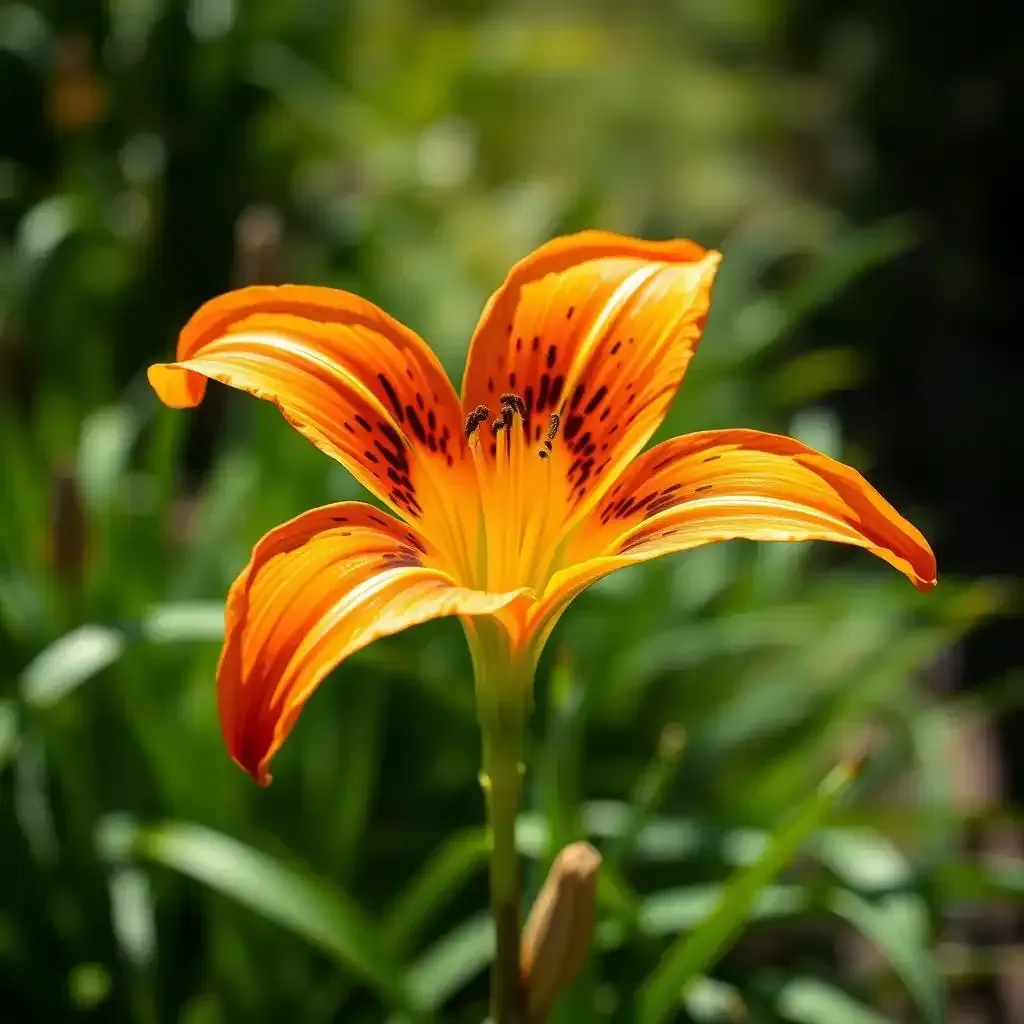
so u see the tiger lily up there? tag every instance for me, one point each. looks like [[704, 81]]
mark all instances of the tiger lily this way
[[506, 504]]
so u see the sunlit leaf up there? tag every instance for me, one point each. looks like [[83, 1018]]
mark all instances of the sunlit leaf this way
[[434, 886], [897, 926], [68, 662], [309, 907], [452, 962], [811, 1001], [691, 955]]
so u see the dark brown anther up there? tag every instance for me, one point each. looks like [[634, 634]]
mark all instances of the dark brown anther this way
[[513, 403], [556, 421], [475, 418]]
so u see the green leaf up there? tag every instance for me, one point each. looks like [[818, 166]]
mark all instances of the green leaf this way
[[434, 886], [676, 910], [451, 962], [709, 1001], [68, 662], [648, 792], [106, 441], [310, 907], [184, 622], [811, 1001], [862, 858], [691, 955], [897, 926], [766, 322]]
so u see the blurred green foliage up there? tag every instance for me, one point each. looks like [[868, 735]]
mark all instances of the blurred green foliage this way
[[155, 152]]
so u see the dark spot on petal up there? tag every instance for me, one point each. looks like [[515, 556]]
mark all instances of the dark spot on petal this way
[[552, 355], [416, 424], [542, 393], [572, 426], [371, 456], [595, 399], [363, 423], [616, 347], [392, 396]]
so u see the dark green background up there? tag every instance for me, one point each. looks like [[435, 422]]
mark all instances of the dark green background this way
[[854, 164]]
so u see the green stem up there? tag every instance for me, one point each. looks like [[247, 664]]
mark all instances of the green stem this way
[[504, 684], [502, 784]]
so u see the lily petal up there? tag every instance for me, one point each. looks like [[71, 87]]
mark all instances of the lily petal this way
[[316, 590], [723, 484], [362, 387], [598, 328]]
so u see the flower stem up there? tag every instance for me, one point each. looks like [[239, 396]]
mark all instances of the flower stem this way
[[503, 677], [502, 781]]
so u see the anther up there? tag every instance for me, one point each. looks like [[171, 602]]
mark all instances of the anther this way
[[514, 403], [545, 452], [475, 418]]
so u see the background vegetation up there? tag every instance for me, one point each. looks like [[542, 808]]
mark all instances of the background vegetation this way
[[156, 152]]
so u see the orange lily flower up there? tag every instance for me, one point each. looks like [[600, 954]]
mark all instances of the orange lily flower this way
[[509, 502]]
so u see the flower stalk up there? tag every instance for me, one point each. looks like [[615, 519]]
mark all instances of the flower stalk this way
[[502, 782], [504, 685]]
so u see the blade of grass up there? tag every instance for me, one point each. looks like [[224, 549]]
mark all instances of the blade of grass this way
[[311, 908], [451, 962], [427, 893], [691, 955], [811, 1001], [897, 926]]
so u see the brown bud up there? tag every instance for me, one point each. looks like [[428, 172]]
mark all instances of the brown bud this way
[[557, 934]]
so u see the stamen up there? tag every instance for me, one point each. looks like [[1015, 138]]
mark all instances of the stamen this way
[[513, 402], [474, 419], [556, 422]]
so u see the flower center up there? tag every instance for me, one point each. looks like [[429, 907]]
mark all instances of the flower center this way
[[523, 495]]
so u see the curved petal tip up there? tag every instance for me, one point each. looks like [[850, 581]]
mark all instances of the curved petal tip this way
[[175, 386]]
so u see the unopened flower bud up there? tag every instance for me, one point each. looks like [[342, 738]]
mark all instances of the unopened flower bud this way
[[557, 934]]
